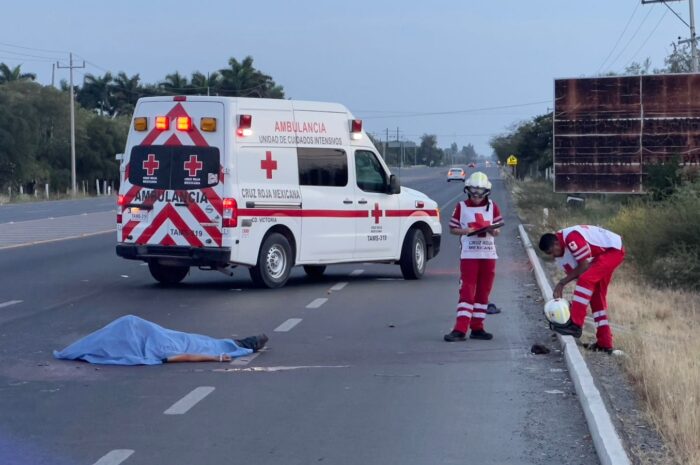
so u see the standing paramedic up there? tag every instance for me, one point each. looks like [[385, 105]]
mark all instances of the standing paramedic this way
[[477, 258], [589, 255]]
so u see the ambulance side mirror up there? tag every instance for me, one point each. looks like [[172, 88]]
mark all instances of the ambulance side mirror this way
[[394, 186]]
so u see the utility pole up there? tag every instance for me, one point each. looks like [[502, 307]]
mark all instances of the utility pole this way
[[693, 45], [72, 123]]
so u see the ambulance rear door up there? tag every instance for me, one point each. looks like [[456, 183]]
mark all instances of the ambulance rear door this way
[[174, 174]]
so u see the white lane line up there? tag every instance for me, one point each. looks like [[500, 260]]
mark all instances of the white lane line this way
[[357, 272], [245, 360], [10, 302], [115, 457], [190, 400], [287, 325], [444, 205], [317, 302], [339, 286]]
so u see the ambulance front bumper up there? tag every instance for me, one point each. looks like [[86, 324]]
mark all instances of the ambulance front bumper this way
[[190, 256]]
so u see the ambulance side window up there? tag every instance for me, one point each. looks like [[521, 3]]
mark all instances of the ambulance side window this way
[[322, 167], [371, 176]]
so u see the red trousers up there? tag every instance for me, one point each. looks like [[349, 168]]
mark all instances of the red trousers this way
[[477, 276], [592, 288]]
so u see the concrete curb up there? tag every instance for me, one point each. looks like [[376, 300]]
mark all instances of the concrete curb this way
[[605, 439]]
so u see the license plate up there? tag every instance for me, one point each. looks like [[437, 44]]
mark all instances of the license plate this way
[[138, 214]]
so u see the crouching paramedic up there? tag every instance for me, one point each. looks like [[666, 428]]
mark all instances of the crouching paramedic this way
[[589, 255], [477, 257]]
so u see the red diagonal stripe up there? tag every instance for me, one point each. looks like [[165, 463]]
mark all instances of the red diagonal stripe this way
[[214, 199], [156, 223], [202, 217]]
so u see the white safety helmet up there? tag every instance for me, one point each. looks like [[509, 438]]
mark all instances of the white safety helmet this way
[[557, 311], [477, 182]]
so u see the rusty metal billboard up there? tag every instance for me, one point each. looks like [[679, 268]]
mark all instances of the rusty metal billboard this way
[[608, 131]]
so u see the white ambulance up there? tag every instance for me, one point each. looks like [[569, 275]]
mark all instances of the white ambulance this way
[[219, 182]]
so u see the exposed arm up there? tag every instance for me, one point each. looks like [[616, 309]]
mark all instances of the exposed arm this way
[[198, 358], [575, 273]]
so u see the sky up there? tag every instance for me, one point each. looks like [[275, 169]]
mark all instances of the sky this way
[[463, 70]]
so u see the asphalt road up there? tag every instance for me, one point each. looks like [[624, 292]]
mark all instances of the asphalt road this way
[[360, 378]]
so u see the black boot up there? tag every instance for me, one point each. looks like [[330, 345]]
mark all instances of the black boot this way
[[480, 334], [567, 329], [455, 336], [593, 346], [254, 343]]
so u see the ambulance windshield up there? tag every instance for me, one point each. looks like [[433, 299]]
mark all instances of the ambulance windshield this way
[[178, 167]]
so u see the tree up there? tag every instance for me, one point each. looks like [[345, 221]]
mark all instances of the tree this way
[[126, 91], [428, 153], [679, 61], [208, 84], [241, 79], [96, 93], [175, 83], [469, 153], [8, 74]]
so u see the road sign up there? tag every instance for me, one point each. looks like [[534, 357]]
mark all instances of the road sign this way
[[512, 160]]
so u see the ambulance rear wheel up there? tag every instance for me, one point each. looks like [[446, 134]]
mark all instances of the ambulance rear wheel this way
[[413, 255], [274, 262], [167, 274], [315, 271]]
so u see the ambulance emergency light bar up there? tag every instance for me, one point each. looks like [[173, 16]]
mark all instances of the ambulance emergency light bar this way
[[182, 123], [356, 129]]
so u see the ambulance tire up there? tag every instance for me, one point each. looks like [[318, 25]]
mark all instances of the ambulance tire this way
[[314, 271], [167, 275], [274, 262], [413, 255]]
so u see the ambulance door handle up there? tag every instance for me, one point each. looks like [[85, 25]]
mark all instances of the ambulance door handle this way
[[347, 201], [362, 202]]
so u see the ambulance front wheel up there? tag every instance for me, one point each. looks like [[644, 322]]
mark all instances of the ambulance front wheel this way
[[274, 262], [167, 274], [413, 255]]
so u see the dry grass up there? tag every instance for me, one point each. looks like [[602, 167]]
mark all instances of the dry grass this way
[[661, 337]]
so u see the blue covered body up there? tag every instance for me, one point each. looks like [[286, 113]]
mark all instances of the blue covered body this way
[[131, 340]]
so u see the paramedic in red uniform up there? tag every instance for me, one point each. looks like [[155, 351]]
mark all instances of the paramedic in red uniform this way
[[589, 255], [477, 258]]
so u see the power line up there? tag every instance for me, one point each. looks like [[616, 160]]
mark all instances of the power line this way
[[619, 38], [64, 52], [453, 112], [22, 54], [648, 37], [633, 36]]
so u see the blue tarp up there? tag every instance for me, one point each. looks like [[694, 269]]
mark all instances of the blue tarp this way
[[131, 340]]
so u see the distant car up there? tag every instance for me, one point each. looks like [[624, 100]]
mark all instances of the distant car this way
[[472, 165], [456, 174]]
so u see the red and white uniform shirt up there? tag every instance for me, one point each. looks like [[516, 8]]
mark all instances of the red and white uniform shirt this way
[[468, 215], [584, 242]]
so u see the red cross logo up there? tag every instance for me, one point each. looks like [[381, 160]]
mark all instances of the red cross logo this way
[[151, 165], [268, 164], [376, 213], [193, 165], [479, 222]]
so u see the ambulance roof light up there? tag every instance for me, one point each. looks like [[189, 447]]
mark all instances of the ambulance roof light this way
[[245, 123], [162, 123], [356, 129], [184, 123], [180, 98], [140, 123], [207, 124]]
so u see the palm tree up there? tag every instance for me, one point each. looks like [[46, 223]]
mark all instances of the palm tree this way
[[208, 84], [241, 79], [96, 93], [126, 91], [8, 74], [174, 83]]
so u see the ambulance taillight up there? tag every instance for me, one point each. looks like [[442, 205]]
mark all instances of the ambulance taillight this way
[[184, 123], [245, 123], [230, 213], [356, 129], [162, 123], [120, 204]]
